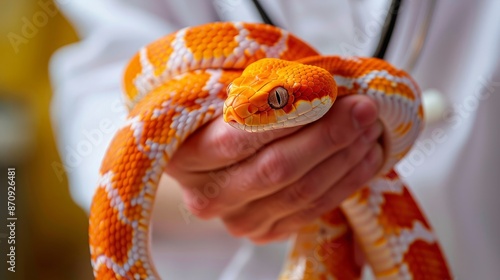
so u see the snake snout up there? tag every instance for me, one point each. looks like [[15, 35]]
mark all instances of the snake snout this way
[[231, 116]]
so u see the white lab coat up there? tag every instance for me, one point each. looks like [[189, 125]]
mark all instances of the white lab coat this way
[[453, 169]]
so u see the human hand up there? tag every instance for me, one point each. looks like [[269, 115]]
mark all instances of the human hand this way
[[265, 186]]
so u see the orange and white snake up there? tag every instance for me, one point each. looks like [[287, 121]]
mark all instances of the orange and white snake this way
[[178, 83]]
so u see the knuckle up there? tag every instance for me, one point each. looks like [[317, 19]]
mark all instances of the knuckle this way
[[303, 217], [225, 145], [369, 167], [360, 178], [272, 168], [238, 226], [353, 154], [315, 209], [231, 146], [333, 137], [203, 213], [200, 205], [299, 193], [234, 231]]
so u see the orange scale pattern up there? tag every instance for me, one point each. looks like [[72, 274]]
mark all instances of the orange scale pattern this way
[[113, 236], [390, 88], [268, 36], [207, 43], [404, 212], [159, 53], [424, 259], [339, 256], [130, 90]]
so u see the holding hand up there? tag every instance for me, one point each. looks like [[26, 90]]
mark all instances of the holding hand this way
[[265, 186]]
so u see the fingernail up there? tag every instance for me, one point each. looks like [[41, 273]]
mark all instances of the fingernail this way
[[364, 113], [373, 132]]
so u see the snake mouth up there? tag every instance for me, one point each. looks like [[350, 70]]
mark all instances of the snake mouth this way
[[232, 118], [239, 126], [236, 121], [232, 123]]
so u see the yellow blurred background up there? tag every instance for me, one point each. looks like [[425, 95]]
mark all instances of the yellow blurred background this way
[[51, 231]]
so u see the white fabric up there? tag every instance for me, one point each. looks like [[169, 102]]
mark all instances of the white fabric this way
[[454, 175]]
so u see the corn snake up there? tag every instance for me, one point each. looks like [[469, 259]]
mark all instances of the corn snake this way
[[178, 83]]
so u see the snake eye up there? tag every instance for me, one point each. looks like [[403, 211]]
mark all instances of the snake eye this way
[[278, 98]]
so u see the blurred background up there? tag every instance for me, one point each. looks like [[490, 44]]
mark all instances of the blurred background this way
[[51, 231]]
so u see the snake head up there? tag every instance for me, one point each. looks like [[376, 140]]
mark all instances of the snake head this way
[[273, 93]]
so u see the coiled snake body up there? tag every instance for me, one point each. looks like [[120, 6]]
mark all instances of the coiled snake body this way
[[178, 83]]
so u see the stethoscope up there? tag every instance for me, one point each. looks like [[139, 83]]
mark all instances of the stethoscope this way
[[416, 43]]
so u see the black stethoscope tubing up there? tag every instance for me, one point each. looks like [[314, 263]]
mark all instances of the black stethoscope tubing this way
[[386, 34]]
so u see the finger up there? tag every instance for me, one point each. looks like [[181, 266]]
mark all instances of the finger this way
[[217, 145], [242, 184], [356, 178], [225, 145], [289, 158], [265, 211]]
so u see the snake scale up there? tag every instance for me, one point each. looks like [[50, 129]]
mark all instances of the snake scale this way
[[178, 83]]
